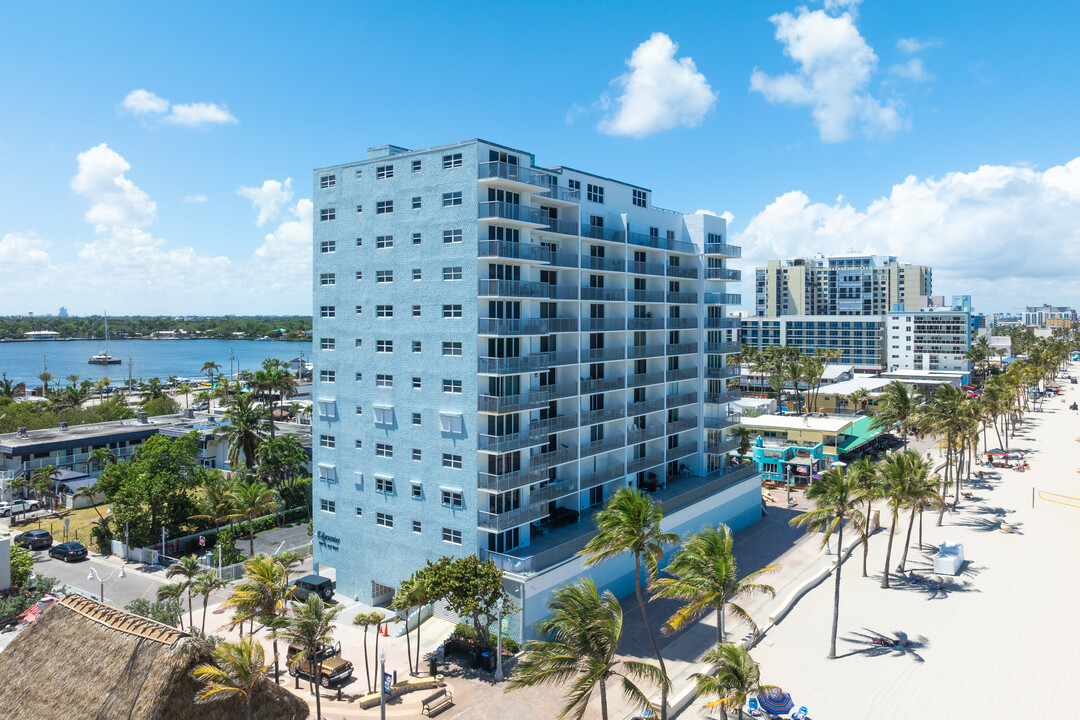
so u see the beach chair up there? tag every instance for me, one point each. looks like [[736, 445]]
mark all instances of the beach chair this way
[[753, 709], [799, 714]]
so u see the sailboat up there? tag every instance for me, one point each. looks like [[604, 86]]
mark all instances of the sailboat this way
[[103, 357]]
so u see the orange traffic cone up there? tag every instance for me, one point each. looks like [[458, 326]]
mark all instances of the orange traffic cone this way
[[383, 627]]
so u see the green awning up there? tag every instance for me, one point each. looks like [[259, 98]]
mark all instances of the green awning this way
[[860, 432]]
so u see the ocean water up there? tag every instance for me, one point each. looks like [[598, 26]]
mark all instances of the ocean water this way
[[22, 361]]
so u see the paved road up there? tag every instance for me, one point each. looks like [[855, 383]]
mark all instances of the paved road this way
[[288, 537]]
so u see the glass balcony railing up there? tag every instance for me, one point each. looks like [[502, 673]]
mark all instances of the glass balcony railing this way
[[722, 373], [642, 379], [723, 274], [731, 251], [522, 289], [681, 451], [644, 323], [721, 398], [682, 323], [680, 400], [723, 299], [645, 296], [598, 477], [681, 271], [722, 348], [595, 417], [645, 268], [531, 326], [598, 385], [645, 462], [602, 233], [645, 406], [555, 192], [526, 363], [604, 294], [608, 444], [602, 354], [511, 211], [689, 298], [602, 324], [722, 323], [525, 251], [681, 374], [512, 172], [637, 352], [640, 435], [590, 262], [559, 227], [682, 348], [529, 400]]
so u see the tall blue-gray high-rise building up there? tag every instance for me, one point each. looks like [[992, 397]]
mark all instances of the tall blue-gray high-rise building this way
[[498, 347]]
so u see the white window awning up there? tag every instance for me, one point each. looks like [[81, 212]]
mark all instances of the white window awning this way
[[451, 423], [384, 415], [328, 473]]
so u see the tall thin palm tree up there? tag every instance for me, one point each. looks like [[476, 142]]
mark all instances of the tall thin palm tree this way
[[405, 599], [630, 523], [239, 670], [100, 457], [263, 594], [45, 378], [868, 484], [311, 628], [837, 499], [244, 429], [188, 568], [585, 628], [206, 583], [732, 679], [705, 575], [43, 478], [896, 406], [366, 621], [897, 487], [919, 494], [253, 499], [173, 591]]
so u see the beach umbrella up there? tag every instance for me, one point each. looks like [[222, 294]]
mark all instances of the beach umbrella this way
[[776, 701]]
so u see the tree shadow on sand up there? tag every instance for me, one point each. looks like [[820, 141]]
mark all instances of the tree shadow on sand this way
[[865, 646], [988, 520]]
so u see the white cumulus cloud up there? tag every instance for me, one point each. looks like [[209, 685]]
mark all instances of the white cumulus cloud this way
[[115, 200], [25, 251], [283, 261], [146, 103], [143, 102], [1008, 235], [912, 70], [268, 199], [842, 5], [912, 45], [659, 92], [194, 199], [835, 66]]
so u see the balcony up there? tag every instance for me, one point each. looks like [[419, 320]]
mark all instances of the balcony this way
[[723, 323], [640, 435], [604, 294], [510, 480], [494, 209], [598, 385], [644, 323], [507, 520], [681, 451], [517, 175], [636, 352], [560, 194], [723, 446], [599, 477], [730, 251], [717, 373], [520, 289], [529, 400], [506, 443], [724, 397], [649, 241], [722, 348], [594, 417], [687, 298], [527, 363], [682, 348], [641, 379], [645, 268], [723, 274], [681, 246], [646, 462], [591, 262], [681, 374], [557, 227], [645, 296], [524, 251], [682, 323], [602, 354], [553, 491], [542, 428], [608, 444], [602, 233], [681, 399], [722, 422], [681, 425], [723, 299], [681, 271], [542, 460], [645, 406], [530, 326], [602, 324]]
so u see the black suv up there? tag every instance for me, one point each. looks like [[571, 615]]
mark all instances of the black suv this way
[[34, 539], [313, 584]]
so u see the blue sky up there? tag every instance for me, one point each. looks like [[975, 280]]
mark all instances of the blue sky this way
[[939, 132]]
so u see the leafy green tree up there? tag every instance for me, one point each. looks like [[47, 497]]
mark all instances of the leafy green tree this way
[[160, 406], [279, 458], [585, 628], [471, 588], [239, 669], [630, 523], [733, 678], [22, 564], [172, 593], [252, 499]]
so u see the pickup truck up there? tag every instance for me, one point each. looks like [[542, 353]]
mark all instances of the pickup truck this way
[[334, 668]]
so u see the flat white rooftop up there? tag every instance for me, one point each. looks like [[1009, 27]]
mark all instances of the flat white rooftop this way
[[832, 423], [870, 384]]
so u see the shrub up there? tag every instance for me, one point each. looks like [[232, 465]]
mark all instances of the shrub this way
[[12, 607], [160, 406], [226, 538], [101, 535], [166, 612], [22, 563], [465, 632]]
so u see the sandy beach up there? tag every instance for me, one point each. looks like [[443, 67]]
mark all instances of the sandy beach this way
[[993, 643]]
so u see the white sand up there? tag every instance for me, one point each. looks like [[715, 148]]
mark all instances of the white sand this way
[[1003, 642]]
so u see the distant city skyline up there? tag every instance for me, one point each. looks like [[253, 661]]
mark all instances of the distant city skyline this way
[[148, 177]]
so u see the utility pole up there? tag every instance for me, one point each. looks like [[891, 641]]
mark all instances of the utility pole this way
[[129, 378]]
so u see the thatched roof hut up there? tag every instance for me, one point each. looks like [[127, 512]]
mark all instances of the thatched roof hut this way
[[82, 660]]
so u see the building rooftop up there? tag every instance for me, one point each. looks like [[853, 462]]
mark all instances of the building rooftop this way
[[834, 371], [846, 387], [829, 424]]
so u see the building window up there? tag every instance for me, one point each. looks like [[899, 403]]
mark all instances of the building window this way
[[384, 172], [384, 381], [359, 512], [359, 409], [384, 450], [450, 460], [359, 342], [451, 198], [451, 311], [594, 193], [451, 536], [451, 236], [359, 309], [416, 311], [327, 181], [327, 311], [384, 242], [417, 491], [327, 279], [574, 185], [416, 346], [416, 383], [327, 441], [385, 520], [416, 418], [451, 161], [359, 242], [328, 246], [359, 208], [416, 526], [416, 238], [327, 214], [384, 311], [359, 274], [359, 174], [384, 276], [326, 343], [384, 485], [359, 377], [416, 453], [452, 499], [327, 376], [451, 386], [384, 207], [449, 273], [416, 274], [327, 408], [451, 349], [639, 198], [328, 506], [416, 166], [384, 346]]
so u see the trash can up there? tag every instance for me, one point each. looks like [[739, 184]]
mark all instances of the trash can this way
[[433, 666], [487, 660]]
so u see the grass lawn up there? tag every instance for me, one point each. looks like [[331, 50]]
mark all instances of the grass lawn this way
[[78, 527]]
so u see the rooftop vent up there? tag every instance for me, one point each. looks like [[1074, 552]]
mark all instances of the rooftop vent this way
[[63, 427], [189, 413], [22, 432], [141, 417]]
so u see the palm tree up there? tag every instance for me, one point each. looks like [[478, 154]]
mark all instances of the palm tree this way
[[252, 499], [185, 390], [311, 628], [217, 503], [837, 497], [208, 369], [244, 429], [101, 386], [630, 523], [187, 567], [586, 628], [860, 398], [280, 458], [744, 434], [869, 486], [897, 406], [100, 456], [73, 379], [704, 574], [365, 621], [45, 378], [173, 591], [734, 677], [405, 599], [206, 583], [897, 473], [90, 492], [239, 670], [263, 594], [7, 387], [43, 479]]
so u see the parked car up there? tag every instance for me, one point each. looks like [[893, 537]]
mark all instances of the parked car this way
[[305, 586], [68, 552], [34, 539], [18, 506], [334, 668]]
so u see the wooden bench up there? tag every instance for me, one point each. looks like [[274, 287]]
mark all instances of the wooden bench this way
[[436, 701]]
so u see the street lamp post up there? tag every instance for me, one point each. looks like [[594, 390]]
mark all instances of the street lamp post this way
[[92, 575], [382, 681], [498, 645]]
